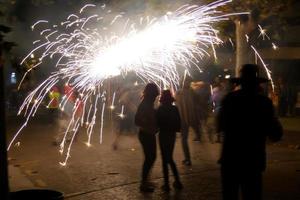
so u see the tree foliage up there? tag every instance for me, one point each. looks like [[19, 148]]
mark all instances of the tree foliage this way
[[261, 11]]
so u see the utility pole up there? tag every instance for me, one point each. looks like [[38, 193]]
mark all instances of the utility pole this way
[[4, 186]]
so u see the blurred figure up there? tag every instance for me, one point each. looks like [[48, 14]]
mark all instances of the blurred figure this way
[[218, 93], [168, 121], [53, 105], [69, 117], [247, 119], [283, 97], [77, 115], [129, 98], [186, 101], [291, 100], [202, 90], [145, 119], [69, 92]]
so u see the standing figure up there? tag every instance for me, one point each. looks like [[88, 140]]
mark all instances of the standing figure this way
[[186, 101], [53, 105], [129, 98], [145, 119], [168, 121], [218, 93], [203, 93], [247, 119], [71, 112]]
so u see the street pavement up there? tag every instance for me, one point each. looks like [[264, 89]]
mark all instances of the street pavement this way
[[99, 172]]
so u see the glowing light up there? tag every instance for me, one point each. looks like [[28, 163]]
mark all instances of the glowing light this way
[[274, 46], [230, 40], [122, 112], [211, 94], [38, 22], [268, 72], [88, 144], [88, 51], [247, 37], [263, 33], [112, 106]]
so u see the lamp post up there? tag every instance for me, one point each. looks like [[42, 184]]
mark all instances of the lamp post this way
[[4, 186]]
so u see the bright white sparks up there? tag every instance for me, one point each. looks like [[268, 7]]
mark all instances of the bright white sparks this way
[[263, 33], [89, 49], [274, 46]]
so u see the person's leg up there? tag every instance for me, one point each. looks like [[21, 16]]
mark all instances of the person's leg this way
[[119, 130], [197, 131], [149, 147], [177, 184], [230, 184], [116, 140], [78, 128], [210, 130], [185, 146], [62, 123], [163, 143], [251, 185]]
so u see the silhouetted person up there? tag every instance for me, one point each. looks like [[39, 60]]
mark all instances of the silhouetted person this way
[[186, 101], [246, 119], [145, 119], [168, 121], [53, 105], [203, 96]]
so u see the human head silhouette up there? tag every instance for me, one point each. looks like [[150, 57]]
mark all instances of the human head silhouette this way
[[249, 77], [151, 91], [166, 97]]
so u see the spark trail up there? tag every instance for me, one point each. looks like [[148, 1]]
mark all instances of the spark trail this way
[[91, 49]]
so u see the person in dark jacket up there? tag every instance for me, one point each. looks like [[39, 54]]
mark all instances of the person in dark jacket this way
[[168, 121], [145, 119], [246, 119]]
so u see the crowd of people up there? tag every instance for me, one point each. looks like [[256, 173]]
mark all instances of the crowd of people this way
[[244, 117], [188, 108], [72, 108]]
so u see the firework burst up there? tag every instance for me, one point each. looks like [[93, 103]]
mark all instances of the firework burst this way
[[90, 49]]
